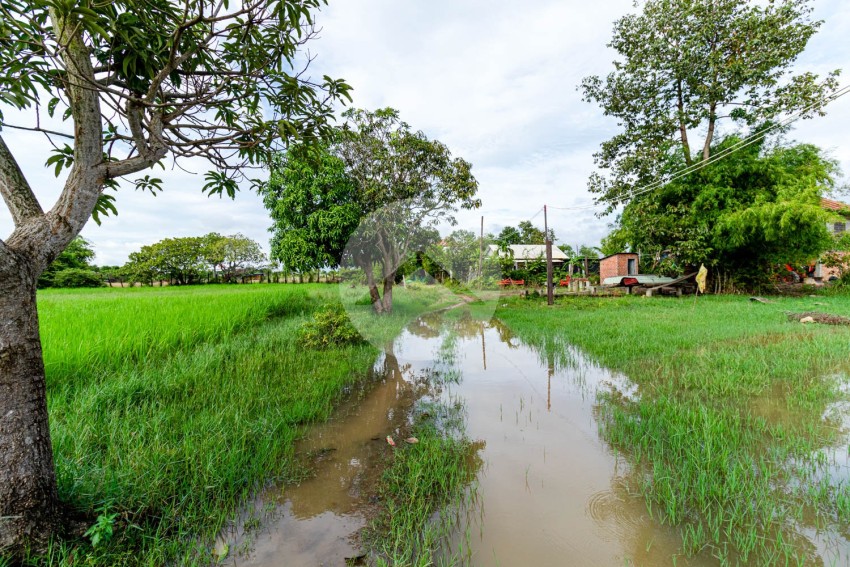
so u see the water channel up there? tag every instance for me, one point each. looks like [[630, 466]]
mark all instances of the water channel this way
[[551, 492]]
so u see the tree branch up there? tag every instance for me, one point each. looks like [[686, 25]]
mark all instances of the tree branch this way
[[131, 165], [16, 191], [39, 129]]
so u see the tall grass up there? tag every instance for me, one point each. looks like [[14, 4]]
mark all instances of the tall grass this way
[[97, 331], [727, 427], [170, 406], [424, 491]]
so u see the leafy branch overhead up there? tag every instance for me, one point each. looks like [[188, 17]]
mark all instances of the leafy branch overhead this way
[[202, 78], [687, 66]]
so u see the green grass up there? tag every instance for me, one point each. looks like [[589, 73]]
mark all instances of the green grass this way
[[171, 406], [422, 493], [727, 434], [429, 486]]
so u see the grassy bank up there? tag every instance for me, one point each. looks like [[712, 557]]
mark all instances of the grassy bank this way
[[734, 428], [170, 406], [421, 490]]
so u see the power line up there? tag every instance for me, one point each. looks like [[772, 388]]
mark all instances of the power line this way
[[536, 214], [751, 139]]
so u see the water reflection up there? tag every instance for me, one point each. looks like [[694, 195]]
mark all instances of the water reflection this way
[[550, 492], [316, 521]]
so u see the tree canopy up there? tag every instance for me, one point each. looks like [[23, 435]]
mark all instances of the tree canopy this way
[[183, 260], [742, 215], [687, 66], [524, 233], [314, 206], [371, 197], [458, 253]]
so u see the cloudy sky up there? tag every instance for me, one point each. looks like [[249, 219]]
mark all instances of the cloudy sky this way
[[493, 79]]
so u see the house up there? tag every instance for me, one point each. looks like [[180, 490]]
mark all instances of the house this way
[[838, 224], [524, 254], [841, 211]]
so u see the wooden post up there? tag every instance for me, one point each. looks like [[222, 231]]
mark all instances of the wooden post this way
[[550, 292]]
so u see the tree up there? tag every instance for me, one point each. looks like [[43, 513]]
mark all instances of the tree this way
[[314, 206], [396, 183], [585, 251], [235, 254], [77, 255], [78, 277], [407, 184], [460, 254], [132, 82], [743, 215], [112, 274], [509, 236], [181, 260], [689, 65], [524, 233]]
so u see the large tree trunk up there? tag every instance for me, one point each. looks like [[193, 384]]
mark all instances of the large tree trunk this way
[[28, 497]]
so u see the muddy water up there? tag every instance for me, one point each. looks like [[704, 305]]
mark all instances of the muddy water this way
[[550, 493], [316, 521]]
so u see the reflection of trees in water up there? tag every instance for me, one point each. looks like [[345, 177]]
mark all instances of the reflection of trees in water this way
[[506, 335], [428, 326]]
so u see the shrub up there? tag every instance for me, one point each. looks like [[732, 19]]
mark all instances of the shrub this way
[[76, 277], [329, 327]]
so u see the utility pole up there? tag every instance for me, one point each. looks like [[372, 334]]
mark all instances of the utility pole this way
[[550, 292]]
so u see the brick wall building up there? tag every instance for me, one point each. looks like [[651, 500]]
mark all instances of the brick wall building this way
[[618, 265]]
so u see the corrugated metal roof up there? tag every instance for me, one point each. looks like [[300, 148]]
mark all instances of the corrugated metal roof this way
[[643, 279], [531, 252]]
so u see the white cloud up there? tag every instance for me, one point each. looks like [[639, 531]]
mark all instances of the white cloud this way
[[494, 79]]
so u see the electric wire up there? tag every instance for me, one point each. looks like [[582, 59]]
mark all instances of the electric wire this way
[[751, 139]]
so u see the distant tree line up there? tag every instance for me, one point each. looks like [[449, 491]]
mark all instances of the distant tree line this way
[[178, 261]]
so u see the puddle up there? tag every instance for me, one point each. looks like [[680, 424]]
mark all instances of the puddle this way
[[550, 491], [316, 522]]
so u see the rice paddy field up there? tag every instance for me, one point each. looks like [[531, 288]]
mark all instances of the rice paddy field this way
[[170, 406], [737, 432]]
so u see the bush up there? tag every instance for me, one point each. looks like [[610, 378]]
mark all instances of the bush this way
[[329, 327], [77, 277]]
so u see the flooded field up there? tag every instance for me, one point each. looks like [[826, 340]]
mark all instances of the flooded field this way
[[550, 491]]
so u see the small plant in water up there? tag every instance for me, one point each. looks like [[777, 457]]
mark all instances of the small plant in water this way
[[102, 530]]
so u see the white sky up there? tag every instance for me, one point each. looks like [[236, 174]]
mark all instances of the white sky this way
[[493, 79]]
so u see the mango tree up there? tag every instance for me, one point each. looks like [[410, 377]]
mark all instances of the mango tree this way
[[372, 197], [118, 87]]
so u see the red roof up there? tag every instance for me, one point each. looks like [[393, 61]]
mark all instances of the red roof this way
[[831, 205]]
